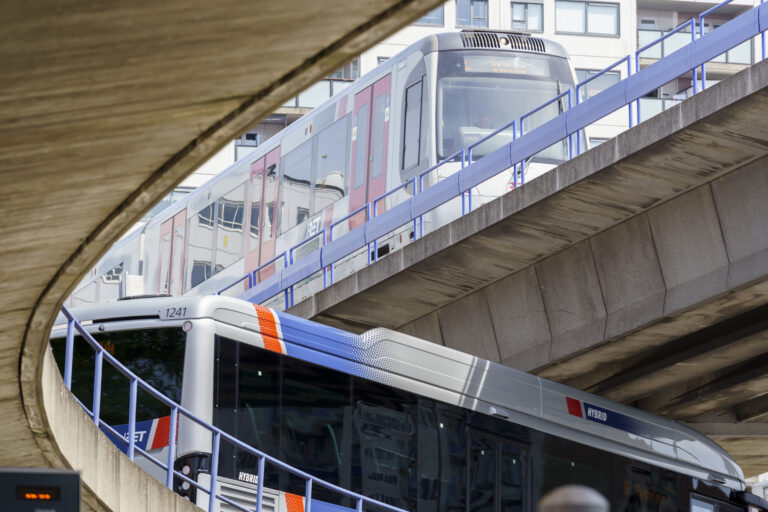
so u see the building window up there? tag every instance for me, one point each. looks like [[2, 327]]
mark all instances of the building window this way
[[597, 85], [472, 13], [113, 275], [350, 71], [433, 17], [593, 18], [381, 60], [527, 16]]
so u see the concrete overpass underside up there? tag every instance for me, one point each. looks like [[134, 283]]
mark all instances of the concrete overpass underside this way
[[104, 108], [638, 271]]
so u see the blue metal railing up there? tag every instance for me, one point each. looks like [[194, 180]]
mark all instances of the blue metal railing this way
[[178, 412], [628, 91]]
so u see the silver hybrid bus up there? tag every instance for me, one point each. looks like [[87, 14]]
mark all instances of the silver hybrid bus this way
[[399, 419]]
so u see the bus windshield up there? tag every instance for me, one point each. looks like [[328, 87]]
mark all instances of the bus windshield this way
[[478, 92], [155, 355]]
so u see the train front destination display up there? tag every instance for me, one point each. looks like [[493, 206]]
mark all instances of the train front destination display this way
[[39, 489]]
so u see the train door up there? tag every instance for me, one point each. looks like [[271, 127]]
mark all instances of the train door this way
[[177, 253], [264, 188], [170, 274], [256, 200], [370, 134], [497, 479]]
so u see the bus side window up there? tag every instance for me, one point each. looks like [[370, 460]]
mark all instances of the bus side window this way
[[442, 458], [412, 125], [385, 438]]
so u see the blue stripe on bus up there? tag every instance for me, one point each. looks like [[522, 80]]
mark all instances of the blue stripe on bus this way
[[617, 420]]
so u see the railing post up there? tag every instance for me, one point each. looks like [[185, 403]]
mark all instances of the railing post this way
[[308, 496], [637, 70], [132, 419], [97, 386], [171, 447], [375, 242], [260, 484], [367, 218], [695, 71], [762, 36], [69, 353], [215, 471], [629, 73], [570, 135], [359, 507]]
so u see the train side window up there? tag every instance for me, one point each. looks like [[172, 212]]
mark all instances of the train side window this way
[[200, 253], [201, 270], [296, 185], [380, 117], [362, 144], [268, 229], [412, 128], [230, 215], [331, 164]]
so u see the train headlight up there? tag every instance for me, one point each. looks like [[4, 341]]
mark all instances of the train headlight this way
[[504, 41]]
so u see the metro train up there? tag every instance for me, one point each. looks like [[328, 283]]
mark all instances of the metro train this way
[[413, 424], [441, 94]]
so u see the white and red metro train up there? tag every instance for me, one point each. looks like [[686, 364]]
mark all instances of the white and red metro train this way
[[441, 94]]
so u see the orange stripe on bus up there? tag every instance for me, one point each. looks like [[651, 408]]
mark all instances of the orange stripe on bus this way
[[268, 328], [294, 502]]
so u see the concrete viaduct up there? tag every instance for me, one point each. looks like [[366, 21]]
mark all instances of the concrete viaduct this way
[[638, 271], [106, 106]]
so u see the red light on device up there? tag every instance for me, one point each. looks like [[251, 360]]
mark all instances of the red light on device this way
[[37, 493]]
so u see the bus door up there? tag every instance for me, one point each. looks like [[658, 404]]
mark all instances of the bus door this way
[[370, 134], [171, 271], [264, 187], [498, 474]]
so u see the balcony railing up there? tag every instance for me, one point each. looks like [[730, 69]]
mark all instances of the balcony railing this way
[[741, 54]]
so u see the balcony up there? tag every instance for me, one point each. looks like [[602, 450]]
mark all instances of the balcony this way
[[742, 54]]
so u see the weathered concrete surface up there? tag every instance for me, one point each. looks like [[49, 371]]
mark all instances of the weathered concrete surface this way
[[104, 107], [605, 272]]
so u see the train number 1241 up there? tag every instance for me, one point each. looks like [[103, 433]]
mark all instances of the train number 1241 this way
[[175, 312]]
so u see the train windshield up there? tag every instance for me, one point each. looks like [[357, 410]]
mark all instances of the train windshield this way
[[478, 92]]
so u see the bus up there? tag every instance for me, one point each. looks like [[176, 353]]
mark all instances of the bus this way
[[441, 94], [402, 420]]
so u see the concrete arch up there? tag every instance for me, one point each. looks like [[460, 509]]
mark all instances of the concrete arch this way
[[105, 109]]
